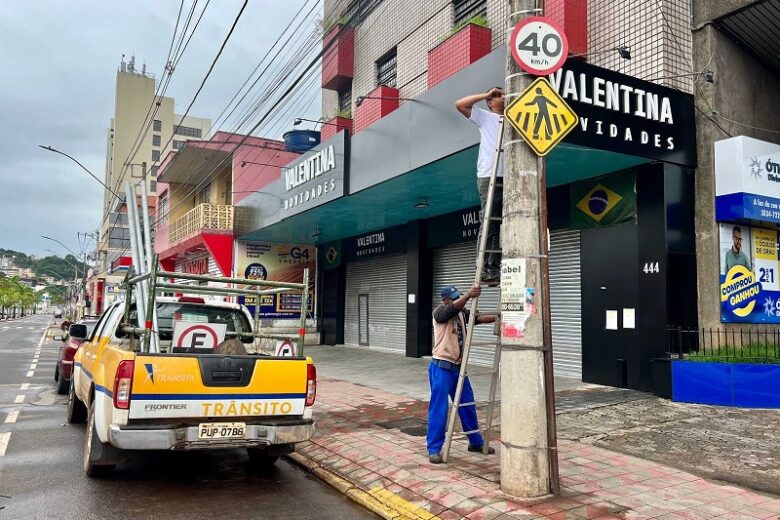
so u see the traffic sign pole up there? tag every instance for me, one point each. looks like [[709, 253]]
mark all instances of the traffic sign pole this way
[[526, 450]]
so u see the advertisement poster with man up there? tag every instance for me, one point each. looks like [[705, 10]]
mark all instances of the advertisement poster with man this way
[[749, 290], [279, 263]]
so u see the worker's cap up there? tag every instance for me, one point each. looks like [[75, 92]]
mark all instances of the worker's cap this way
[[450, 292]]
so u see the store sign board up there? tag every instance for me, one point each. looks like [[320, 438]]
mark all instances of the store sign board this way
[[317, 177], [747, 180], [279, 263], [453, 228], [624, 114], [376, 243], [749, 268]]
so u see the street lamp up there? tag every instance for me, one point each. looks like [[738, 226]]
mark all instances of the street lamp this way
[[50, 149], [299, 120], [60, 243]]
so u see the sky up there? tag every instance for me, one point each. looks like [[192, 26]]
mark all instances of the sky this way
[[59, 61]]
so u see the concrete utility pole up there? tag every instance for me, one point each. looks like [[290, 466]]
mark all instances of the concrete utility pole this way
[[525, 453]]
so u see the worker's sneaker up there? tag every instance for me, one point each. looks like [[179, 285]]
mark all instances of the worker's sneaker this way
[[478, 449], [435, 458], [490, 279]]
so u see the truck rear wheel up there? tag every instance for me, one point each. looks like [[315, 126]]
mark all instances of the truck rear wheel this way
[[77, 412], [94, 449]]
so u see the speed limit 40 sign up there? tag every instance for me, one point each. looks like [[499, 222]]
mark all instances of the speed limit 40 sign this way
[[539, 45]]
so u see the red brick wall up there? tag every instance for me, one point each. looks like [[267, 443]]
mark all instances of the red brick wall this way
[[372, 110], [572, 15], [458, 51], [329, 130], [338, 62]]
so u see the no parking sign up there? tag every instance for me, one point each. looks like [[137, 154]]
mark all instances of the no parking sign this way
[[194, 337], [286, 348]]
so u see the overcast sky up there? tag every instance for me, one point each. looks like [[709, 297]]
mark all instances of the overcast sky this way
[[59, 60]]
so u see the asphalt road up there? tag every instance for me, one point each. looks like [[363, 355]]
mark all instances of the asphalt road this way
[[40, 461]]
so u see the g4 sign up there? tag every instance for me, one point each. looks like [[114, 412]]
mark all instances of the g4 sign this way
[[297, 252], [539, 45]]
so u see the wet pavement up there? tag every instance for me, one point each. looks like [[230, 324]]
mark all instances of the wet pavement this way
[[41, 475]]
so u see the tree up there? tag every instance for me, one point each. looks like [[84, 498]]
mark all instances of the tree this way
[[16, 297]]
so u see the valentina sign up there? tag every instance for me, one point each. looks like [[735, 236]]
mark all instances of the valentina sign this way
[[310, 168]]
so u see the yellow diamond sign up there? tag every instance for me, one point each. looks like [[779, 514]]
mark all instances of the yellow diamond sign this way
[[541, 116]]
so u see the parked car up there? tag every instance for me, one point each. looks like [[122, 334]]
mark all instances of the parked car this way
[[57, 313], [64, 368]]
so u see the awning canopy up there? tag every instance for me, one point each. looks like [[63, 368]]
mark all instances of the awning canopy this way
[[446, 185], [193, 158], [755, 28]]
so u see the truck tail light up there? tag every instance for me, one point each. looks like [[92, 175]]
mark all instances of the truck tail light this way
[[311, 384], [123, 382]]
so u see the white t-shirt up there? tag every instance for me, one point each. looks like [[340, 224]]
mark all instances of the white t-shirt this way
[[488, 124]]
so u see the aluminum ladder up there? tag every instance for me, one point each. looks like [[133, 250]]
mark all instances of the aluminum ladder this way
[[487, 218]]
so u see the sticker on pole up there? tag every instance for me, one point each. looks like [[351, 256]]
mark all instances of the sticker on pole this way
[[541, 116], [286, 348], [539, 45], [191, 337]]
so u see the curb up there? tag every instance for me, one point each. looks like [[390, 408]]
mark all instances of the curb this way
[[348, 489]]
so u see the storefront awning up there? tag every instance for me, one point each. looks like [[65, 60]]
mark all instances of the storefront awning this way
[[446, 185]]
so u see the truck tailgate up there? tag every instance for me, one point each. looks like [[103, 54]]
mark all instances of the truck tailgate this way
[[209, 385]]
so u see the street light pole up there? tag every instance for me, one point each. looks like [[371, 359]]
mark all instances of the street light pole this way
[[525, 446], [80, 293], [50, 149]]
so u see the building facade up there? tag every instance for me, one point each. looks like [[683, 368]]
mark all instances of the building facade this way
[[738, 141], [395, 213], [136, 144]]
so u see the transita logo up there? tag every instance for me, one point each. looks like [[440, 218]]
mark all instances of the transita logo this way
[[598, 202]]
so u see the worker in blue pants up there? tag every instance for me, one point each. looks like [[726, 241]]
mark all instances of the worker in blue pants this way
[[449, 331]]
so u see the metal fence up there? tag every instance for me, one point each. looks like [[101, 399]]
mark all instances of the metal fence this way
[[724, 344]]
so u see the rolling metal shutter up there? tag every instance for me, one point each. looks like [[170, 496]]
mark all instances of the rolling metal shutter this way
[[456, 265], [383, 279], [566, 302]]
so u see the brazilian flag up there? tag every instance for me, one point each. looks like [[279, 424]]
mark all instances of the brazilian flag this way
[[603, 201]]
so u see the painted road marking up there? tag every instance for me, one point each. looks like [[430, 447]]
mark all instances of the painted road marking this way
[[33, 366], [24, 386], [30, 373], [398, 505], [11, 417], [19, 399], [4, 438]]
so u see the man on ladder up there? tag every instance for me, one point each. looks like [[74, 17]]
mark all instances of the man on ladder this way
[[488, 123], [449, 331]]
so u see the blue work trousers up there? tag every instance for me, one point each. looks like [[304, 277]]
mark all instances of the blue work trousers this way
[[443, 384]]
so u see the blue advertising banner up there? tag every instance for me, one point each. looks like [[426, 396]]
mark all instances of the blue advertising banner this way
[[749, 265]]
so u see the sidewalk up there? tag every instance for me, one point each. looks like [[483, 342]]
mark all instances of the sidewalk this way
[[370, 445]]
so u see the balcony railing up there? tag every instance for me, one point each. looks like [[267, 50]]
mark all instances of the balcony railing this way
[[217, 217]]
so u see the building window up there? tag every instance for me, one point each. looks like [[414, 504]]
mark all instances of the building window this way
[[155, 169], [187, 131], [157, 125], [359, 10], [345, 102], [465, 10], [153, 186], [162, 209], [178, 145], [155, 155], [156, 140], [386, 69]]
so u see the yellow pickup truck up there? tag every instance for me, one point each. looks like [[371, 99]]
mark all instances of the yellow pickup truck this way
[[182, 399]]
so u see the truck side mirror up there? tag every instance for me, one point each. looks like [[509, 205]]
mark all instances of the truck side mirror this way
[[78, 331]]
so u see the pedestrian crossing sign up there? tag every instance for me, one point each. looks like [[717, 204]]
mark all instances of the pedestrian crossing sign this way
[[541, 116]]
